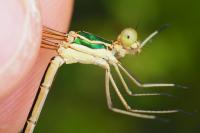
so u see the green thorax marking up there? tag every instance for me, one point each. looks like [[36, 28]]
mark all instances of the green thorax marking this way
[[92, 38]]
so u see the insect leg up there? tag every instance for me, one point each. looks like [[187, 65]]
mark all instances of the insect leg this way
[[129, 92], [135, 110], [42, 94], [102, 63], [110, 106], [46, 29], [149, 84]]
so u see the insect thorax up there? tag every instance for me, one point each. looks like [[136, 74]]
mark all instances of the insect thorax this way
[[91, 38]]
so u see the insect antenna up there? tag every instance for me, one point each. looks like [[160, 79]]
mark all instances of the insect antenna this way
[[147, 39]]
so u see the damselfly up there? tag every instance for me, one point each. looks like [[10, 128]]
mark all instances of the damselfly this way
[[86, 48]]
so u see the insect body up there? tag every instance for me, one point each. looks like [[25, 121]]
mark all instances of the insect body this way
[[86, 48], [90, 40]]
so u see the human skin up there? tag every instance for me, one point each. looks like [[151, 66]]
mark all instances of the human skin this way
[[24, 62]]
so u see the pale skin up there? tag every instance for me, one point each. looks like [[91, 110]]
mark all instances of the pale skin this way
[[17, 96], [69, 53]]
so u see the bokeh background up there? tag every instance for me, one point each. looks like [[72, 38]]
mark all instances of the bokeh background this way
[[77, 102]]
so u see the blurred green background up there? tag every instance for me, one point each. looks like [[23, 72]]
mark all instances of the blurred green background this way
[[77, 102]]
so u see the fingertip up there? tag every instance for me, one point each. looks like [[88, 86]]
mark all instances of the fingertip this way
[[15, 107], [56, 15], [19, 42]]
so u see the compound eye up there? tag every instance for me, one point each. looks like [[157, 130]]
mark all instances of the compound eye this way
[[127, 37]]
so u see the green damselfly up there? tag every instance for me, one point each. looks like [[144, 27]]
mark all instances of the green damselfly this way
[[86, 48]]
